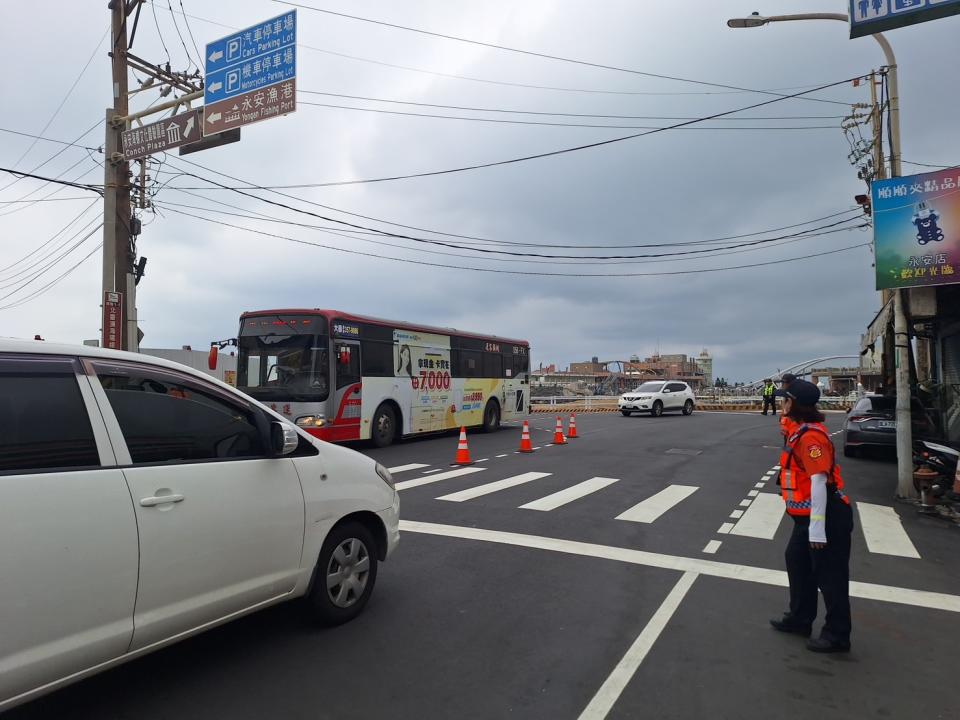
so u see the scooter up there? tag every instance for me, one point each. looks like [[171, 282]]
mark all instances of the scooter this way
[[939, 459]]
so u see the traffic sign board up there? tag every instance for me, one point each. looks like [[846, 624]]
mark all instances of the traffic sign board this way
[[162, 135], [250, 107], [256, 57], [873, 16], [112, 320]]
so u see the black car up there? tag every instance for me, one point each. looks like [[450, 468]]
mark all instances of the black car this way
[[872, 423]]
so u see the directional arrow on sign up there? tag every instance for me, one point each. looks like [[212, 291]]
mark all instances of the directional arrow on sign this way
[[214, 117], [188, 128], [214, 87], [214, 56]]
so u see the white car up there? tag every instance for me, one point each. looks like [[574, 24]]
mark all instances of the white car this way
[[657, 397], [142, 502]]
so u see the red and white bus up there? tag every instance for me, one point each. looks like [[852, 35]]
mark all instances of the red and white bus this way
[[348, 377]]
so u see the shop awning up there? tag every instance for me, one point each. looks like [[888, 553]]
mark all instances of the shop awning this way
[[877, 327]]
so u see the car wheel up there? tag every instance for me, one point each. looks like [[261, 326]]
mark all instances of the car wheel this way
[[657, 409], [345, 574], [626, 413], [384, 428], [688, 407], [491, 417]]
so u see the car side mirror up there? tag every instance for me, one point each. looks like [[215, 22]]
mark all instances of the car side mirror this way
[[283, 438]]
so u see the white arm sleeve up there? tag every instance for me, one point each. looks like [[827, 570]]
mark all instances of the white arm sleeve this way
[[818, 508]]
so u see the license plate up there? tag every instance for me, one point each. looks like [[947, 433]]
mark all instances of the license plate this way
[[887, 423]]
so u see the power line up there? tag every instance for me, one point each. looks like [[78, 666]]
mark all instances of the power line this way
[[54, 282], [52, 239], [62, 103], [46, 139], [555, 124], [559, 114], [14, 202], [186, 22], [551, 153], [938, 167], [716, 252], [505, 83], [532, 53], [30, 203], [507, 242], [518, 272], [153, 7], [176, 26], [22, 174], [57, 154], [21, 284]]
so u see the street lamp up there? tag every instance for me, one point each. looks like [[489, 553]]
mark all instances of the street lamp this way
[[901, 337]]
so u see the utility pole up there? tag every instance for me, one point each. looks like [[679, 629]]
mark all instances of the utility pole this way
[[117, 260]]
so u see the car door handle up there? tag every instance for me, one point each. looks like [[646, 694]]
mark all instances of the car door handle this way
[[160, 500]]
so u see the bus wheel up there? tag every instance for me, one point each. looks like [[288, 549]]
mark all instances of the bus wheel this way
[[384, 428], [491, 417]]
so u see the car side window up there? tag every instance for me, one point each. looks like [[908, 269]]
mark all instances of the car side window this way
[[164, 419], [44, 423], [675, 387]]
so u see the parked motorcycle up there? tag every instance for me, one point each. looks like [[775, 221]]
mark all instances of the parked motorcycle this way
[[941, 463]]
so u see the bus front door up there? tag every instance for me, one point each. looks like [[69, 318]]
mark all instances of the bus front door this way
[[348, 396]]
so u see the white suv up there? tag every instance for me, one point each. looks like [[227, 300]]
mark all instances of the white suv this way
[[656, 397], [142, 502]]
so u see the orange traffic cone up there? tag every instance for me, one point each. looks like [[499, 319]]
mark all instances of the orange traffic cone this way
[[573, 427], [558, 438], [525, 445], [463, 452]]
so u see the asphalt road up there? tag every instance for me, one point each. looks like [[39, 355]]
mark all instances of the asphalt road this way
[[637, 583]]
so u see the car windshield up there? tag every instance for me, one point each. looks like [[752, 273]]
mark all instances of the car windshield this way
[[284, 367], [649, 387]]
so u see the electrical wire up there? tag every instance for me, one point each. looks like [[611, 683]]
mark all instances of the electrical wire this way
[[928, 165], [22, 174], [532, 53], [46, 139], [856, 209], [62, 230], [557, 114], [555, 124], [153, 7], [518, 272], [48, 286], [76, 197], [37, 274], [27, 204], [175, 207], [505, 83], [552, 153], [186, 22], [57, 154]]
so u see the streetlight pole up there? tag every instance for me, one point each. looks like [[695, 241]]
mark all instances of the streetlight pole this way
[[901, 336]]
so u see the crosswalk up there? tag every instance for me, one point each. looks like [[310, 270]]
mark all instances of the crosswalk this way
[[760, 515]]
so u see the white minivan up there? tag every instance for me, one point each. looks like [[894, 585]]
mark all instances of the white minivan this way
[[142, 502]]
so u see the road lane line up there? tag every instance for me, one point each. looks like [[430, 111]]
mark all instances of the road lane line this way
[[883, 531], [745, 502], [753, 493], [736, 514], [427, 472], [537, 447], [493, 487], [504, 455], [608, 694], [656, 505], [557, 499], [759, 485], [725, 528], [762, 518], [482, 460], [405, 468], [712, 547], [406, 484], [712, 568]]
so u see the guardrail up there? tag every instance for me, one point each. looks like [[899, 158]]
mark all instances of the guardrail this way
[[608, 403]]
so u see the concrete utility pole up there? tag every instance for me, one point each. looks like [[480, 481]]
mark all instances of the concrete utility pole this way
[[117, 259], [901, 335]]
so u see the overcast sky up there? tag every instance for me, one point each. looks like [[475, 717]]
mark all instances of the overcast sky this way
[[670, 187]]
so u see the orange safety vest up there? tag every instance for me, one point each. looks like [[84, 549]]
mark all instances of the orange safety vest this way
[[795, 483]]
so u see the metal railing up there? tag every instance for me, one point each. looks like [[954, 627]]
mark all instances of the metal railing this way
[[610, 401]]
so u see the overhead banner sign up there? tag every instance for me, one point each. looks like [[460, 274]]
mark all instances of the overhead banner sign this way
[[873, 16], [251, 74], [916, 229], [163, 135]]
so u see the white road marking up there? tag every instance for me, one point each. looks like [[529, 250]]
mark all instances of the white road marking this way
[[549, 445], [883, 531], [537, 447], [613, 686], [762, 518], [493, 487], [759, 485], [769, 474], [557, 499], [725, 528], [437, 478], [736, 514], [753, 493], [776, 467], [656, 505], [712, 568], [404, 468], [745, 503], [482, 460], [504, 455], [427, 472], [712, 547]]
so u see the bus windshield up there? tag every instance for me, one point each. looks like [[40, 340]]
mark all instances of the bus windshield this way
[[284, 367]]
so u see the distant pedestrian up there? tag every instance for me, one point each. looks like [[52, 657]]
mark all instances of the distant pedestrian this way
[[769, 399], [818, 553]]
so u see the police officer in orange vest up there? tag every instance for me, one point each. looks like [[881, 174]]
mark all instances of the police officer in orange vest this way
[[818, 554]]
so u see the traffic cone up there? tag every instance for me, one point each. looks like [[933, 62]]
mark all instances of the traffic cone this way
[[463, 452], [525, 445], [573, 427], [558, 438]]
